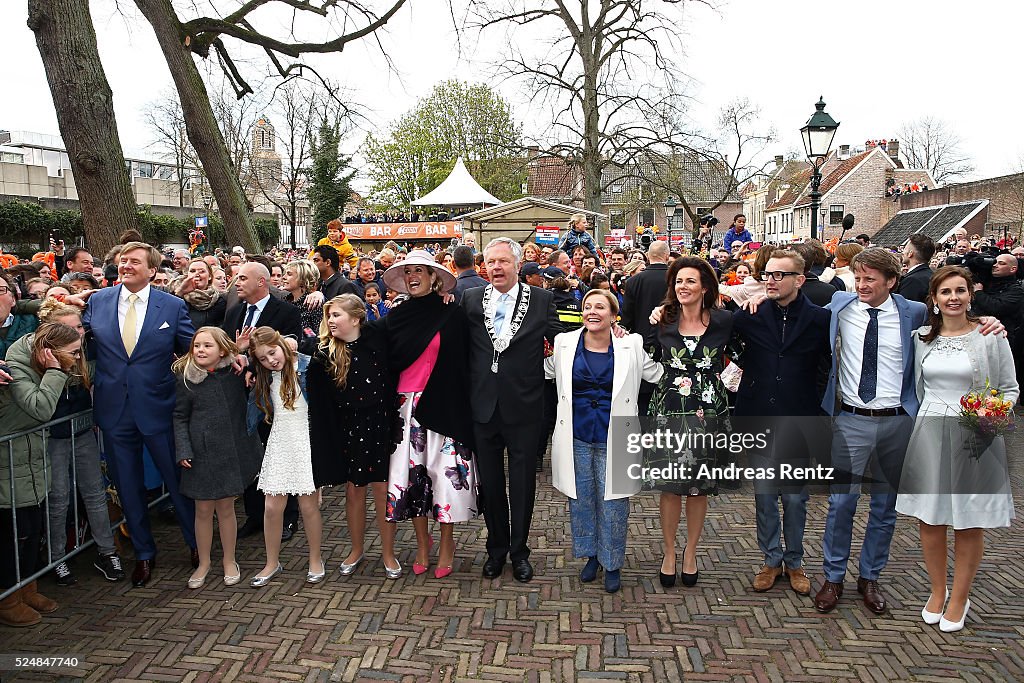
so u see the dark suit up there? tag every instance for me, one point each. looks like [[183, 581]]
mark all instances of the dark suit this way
[[820, 293], [134, 401], [644, 292], [506, 414], [231, 296], [284, 317], [783, 348], [914, 285], [338, 284], [467, 280]]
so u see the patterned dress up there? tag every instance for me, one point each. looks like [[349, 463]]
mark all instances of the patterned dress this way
[[287, 465], [691, 401]]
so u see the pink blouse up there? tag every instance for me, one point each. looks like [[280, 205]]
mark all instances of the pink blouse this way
[[414, 377]]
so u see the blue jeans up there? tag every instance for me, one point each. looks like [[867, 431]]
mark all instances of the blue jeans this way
[[89, 478], [598, 525], [769, 535], [856, 438]]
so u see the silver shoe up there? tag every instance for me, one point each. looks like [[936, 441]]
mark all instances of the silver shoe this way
[[317, 578], [393, 573], [261, 581], [349, 569]]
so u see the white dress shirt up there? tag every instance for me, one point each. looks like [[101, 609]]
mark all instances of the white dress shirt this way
[[510, 307], [853, 323], [260, 305], [141, 306]]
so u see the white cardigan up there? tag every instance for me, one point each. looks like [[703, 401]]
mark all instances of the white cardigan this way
[[631, 365]]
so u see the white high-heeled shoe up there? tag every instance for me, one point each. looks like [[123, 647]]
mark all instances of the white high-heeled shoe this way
[[947, 626], [932, 618]]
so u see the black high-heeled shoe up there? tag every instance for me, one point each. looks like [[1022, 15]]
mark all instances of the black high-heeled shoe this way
[[667, 580], [690, 579]]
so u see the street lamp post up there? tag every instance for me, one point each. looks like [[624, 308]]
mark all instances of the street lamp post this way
[[670, 215], [817, 134], [824, 225]]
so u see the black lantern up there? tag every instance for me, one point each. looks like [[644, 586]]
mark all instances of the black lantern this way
[[670, 218], [817, 134]]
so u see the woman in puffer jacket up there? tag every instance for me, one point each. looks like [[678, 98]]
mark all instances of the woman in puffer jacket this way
[[41, 365]]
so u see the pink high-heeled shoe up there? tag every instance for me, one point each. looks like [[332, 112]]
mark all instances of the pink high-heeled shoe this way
[[418, 568]]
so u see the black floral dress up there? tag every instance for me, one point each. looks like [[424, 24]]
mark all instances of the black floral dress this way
[[691, 403]]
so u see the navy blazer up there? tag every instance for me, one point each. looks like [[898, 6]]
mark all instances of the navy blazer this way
[[783, 377], [912, 316], [145, 380]]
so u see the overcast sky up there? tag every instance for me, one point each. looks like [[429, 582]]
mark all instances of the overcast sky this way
[[877, 64]]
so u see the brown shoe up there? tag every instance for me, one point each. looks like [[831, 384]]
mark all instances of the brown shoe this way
[[14, 612], [39, 603], [798, 581], [873, 598], [828, 597], [143, 572], [766, 578]]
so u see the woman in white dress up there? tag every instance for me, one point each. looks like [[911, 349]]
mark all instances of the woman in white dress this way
[[950, 478]]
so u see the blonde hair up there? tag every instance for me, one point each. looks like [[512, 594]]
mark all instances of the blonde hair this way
[[848, 250], [51, 309], [613, 302], [309, 276], [220, 338], [153, 254], [268, 336], [53, 336], [339, 358]]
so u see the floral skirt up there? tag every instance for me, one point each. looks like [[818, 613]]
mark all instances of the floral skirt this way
[[430, 474]]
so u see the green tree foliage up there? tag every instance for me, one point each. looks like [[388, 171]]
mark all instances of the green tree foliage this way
[[456, 119], [329, 177], [26, 227]]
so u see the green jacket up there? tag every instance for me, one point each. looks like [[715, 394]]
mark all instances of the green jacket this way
[[28, 401]]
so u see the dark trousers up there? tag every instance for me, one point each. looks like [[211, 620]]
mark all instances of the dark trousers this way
[[508, 514], [123, 445], [26, 540], [254, 501]]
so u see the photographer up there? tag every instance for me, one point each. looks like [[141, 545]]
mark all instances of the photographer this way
[[702, 245], [1001, 296]]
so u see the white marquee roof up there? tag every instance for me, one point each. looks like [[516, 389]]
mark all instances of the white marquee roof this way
[[458, 189]]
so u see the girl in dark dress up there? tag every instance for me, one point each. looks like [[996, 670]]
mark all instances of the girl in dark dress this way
[[218, 455], [352, 405], [693, 338]]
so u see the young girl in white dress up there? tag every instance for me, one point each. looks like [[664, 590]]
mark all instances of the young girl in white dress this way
[[287, 465]]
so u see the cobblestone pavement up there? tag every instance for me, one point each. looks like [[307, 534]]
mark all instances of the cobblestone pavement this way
[[365, 627]]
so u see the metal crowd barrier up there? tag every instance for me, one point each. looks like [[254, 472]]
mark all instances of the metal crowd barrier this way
[[79, 421]]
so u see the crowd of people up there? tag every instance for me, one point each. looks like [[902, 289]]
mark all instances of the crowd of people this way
[[433, 380]]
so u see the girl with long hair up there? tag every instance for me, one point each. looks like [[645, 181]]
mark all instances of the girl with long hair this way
[[351, 432], [288, 463], [218, 455]]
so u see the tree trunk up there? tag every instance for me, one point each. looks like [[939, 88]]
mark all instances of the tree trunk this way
[[201, 124], [85, 115]]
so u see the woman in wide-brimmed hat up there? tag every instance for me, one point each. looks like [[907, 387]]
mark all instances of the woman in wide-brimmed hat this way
[[433, 471]]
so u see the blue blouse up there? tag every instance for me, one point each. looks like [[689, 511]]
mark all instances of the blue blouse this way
[[592, 373]]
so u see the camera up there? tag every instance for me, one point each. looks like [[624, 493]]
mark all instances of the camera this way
[[979, 263], [708, 220]]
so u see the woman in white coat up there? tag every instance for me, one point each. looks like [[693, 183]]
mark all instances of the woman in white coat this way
[[597, 377]]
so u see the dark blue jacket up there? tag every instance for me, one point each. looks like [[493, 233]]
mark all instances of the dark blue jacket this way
[[783, 375]]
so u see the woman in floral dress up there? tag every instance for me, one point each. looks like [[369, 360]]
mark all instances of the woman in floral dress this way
[[693, 338]]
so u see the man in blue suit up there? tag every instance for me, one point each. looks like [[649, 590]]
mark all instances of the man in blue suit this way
[[871, 393], [136, 330], [785, 345]]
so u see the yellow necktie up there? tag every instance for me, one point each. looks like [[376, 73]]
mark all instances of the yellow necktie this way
[[128, 335]]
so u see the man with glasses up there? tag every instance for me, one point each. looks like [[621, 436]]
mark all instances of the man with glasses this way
[[785, 342], [13, 324]]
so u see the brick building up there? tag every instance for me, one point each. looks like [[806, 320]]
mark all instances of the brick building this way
[[1005, 195], [853, 181]]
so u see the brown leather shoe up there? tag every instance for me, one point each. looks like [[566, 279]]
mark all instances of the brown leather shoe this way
[[143, 572], [798, 581], [828, 597], [766, 578], [40, 603], [14, 612], [873, 598]]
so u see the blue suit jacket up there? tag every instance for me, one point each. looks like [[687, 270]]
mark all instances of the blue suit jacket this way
[[912, 316], [145, 380]]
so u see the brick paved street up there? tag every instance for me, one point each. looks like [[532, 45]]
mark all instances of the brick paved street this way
[[554, 629]]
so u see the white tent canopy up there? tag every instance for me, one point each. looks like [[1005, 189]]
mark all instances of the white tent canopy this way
[[458, 189]]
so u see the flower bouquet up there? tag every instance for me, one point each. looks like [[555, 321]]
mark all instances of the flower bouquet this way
[[986, 413]]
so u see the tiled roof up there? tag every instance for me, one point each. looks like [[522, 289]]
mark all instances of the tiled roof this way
[[552, 178], [935, 221], [703, 180], [840, 172], [797, 183]]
